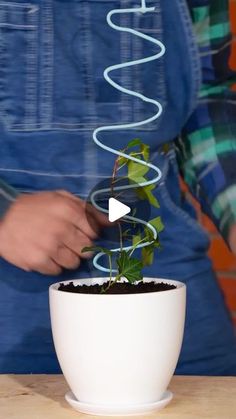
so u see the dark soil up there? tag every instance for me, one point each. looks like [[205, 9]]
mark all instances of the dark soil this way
[[118, 288]]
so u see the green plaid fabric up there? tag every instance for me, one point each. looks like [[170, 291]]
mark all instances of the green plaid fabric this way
[[207, 145]]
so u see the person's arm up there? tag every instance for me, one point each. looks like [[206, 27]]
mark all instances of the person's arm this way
[[207, 146], [47, 231], [8, 195]]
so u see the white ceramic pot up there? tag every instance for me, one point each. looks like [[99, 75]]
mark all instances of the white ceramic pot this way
[[118, 350]]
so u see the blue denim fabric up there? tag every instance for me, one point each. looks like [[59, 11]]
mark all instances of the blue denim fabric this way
[[52, 96]]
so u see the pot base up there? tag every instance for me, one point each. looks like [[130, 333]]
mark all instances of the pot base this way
[[129, 410]]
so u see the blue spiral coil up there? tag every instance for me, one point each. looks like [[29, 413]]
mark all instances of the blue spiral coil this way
[[142, 9]]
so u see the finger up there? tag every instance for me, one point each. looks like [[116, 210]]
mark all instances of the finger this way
[[35, 263], [100, 217], [90, 219], [48, 267], [84, 216], [73, 211], [68, 195], [66, 258], [76, 240], [88, 226]]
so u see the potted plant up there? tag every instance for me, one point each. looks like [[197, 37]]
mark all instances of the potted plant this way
[[118, 337]]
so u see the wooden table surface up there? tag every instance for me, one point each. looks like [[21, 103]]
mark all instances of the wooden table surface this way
[[42, 397]]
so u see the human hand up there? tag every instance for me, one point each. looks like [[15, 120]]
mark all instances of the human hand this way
[[47, 231]]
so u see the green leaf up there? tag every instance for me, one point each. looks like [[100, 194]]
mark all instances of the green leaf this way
[[139, 181], [130, 268], [150, 197], [136, 171], [145, 192], [148, 251], [149, 234], [157, 224], [122, 161], [134, 142], [147, 255], [146, 151], [97, 249], [140, 193], [136, 239], [150, 237]]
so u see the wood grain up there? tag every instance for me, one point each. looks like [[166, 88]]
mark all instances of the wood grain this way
[[42, 397]]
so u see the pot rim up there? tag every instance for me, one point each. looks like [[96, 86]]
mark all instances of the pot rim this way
[[54, 287]]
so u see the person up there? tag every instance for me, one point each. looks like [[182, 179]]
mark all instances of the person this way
[[53, 95]]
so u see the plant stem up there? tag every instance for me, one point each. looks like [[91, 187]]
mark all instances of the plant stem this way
[[136, 244], [115, 168], [110, 273], [121, 236], [110, 284], [110, 267], [138, 153]]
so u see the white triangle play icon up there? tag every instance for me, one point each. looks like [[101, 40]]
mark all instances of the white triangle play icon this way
[[117, 210]]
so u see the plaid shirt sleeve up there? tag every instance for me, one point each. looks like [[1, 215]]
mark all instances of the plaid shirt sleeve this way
[[207, 146], [7, 197]]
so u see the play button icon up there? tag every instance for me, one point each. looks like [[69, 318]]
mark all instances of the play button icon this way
[[117, 204], [117, 210]]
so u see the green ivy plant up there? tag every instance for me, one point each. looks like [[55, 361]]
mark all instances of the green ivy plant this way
[[128, 266]]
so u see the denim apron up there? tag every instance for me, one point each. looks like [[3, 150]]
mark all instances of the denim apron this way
[[52, 95]]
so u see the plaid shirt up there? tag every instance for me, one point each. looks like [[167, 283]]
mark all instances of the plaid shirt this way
[[207, 145]]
